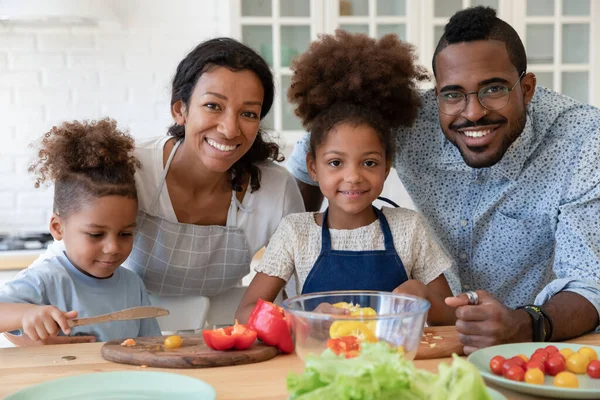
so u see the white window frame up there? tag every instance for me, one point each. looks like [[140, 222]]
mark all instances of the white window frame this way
[[420, 24]]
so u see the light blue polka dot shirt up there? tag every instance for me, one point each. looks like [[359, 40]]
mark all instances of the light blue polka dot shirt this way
[[523, 229]]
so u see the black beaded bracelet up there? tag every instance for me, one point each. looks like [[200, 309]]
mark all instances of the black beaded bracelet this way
[[550, 325]]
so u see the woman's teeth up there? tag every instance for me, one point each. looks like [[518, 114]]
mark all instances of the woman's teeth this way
[[477, 134], [219, 146]]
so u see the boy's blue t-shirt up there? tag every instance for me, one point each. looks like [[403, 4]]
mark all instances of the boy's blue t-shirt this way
[[56, 281]]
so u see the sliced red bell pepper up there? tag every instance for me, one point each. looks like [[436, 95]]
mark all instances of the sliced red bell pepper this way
[[269, 322], [238, 337], [349, 346]]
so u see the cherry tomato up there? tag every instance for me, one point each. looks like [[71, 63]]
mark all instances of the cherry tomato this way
[[577, 363], [593, 369], [517, 360], [534, 376], [554, 365], [173, 342], [541, 354], [524, 357], [496, 364], [532, 364], [551, 349], [511, 362], [515, 373], [566, 352], [589, 353], [559, 355], [566, 379]]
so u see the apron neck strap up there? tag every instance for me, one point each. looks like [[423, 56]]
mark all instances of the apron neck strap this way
[[163, 176], [385, 228]]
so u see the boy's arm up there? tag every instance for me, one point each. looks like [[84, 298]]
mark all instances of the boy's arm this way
[[37, 322], [12, 315]]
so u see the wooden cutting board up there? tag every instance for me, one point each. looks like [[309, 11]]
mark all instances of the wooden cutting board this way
[[193, 353], [439, 342]]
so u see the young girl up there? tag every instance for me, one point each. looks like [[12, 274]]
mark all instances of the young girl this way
[[95, 206], [352, 92]]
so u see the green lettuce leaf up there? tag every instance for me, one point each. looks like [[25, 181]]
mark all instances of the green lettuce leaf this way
[[381, 373]]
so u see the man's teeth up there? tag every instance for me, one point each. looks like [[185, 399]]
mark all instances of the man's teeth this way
[[477, 133], [219, 146], [352, 193]]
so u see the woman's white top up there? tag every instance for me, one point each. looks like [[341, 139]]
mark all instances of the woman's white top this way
[[277, 197]]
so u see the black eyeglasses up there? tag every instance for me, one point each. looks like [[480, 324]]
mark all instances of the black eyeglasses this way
[[492, 97]]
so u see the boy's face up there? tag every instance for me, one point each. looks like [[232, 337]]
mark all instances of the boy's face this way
[[98, 237], [482, 136], [350, 167]]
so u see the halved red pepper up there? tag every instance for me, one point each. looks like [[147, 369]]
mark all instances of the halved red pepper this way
[[349, 346], [269, 322], [238, 337]]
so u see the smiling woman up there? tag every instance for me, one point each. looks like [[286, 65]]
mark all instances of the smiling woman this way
[[210, 193]]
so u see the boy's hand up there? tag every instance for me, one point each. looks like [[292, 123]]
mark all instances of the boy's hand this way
[[412, 287], [42, 322]]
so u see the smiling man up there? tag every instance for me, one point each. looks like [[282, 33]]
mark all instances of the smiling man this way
[[508, 176]]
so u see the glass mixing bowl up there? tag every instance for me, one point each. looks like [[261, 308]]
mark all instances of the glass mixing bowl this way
[[397, 319]]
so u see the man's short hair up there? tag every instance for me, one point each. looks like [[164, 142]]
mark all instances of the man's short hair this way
[[481, 23]]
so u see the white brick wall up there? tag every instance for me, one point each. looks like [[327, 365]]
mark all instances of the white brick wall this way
[[57, 73]]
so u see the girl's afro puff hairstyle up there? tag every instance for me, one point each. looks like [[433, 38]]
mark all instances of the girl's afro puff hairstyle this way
[[356, 79]]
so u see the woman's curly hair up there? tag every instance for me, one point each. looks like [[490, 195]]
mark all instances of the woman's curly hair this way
[[85, 160], [356, 79], [231, 54]]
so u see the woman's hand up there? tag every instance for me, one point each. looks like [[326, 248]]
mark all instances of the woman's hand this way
[[414, 288], [42, 322]]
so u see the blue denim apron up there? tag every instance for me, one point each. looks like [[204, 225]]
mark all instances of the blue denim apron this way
[[356, 270]]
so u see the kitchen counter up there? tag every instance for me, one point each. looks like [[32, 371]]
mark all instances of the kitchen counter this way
[[18, 259], [23, 367]]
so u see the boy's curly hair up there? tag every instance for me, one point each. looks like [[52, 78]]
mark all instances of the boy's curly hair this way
[[86, 160], [356, 79]]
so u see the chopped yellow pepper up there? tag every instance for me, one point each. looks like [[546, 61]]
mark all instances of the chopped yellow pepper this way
[[362, 330]]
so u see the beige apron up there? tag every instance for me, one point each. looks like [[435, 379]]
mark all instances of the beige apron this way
[[176, 259]]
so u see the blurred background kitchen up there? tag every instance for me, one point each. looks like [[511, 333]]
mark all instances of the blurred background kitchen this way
[[86, 59]]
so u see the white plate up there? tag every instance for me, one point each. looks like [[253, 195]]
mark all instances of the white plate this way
[[588, 388]]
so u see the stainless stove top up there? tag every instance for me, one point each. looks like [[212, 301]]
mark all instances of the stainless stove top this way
[[29, 241]]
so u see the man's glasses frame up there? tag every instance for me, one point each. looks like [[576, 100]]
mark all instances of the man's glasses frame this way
[[481, 97]]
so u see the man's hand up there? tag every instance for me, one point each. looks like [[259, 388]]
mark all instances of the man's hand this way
[[42, 322], [412, 287], [488, 323]]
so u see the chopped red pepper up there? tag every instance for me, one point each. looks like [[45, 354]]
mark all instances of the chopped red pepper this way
[[238, 337], [349, 346], [269, 322]]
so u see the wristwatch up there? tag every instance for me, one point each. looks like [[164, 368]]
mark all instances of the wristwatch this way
[[538, 321]]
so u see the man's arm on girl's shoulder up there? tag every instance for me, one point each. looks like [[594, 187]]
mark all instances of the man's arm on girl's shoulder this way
[[311, 194]]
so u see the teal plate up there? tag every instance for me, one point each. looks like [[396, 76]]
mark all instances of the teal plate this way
[[495, 395], [588, 388], [122, 385]]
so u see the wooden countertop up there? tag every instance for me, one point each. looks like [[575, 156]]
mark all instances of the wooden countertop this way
[[18, 260], [23, 367]]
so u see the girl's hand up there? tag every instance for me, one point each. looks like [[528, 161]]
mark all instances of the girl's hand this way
[[414, 288], [40, 323], [326, 308]]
